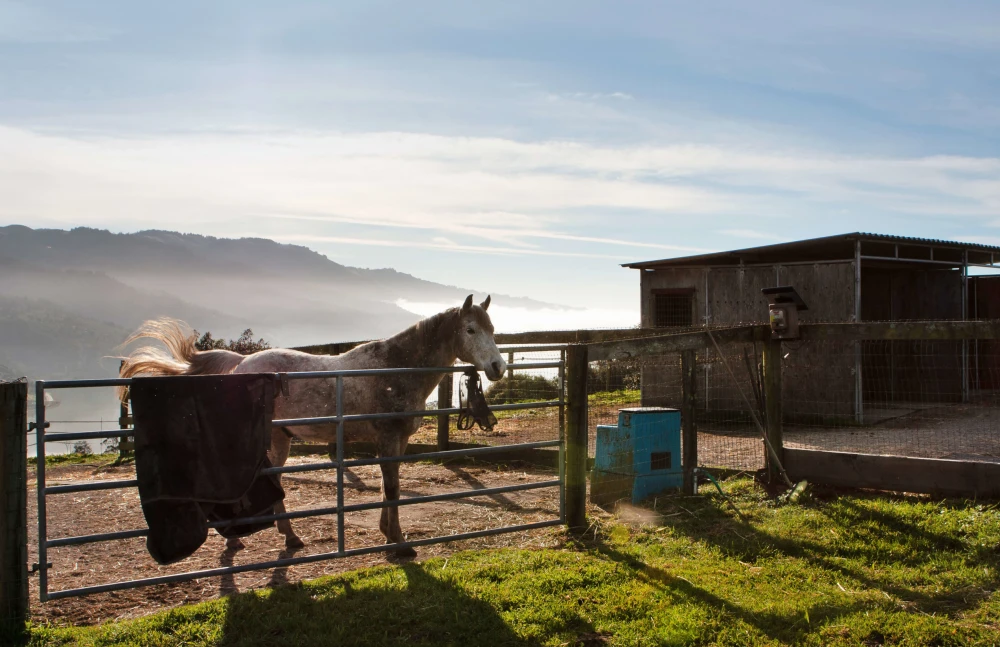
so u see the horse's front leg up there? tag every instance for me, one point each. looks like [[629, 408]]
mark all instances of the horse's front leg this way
[[389, 522]]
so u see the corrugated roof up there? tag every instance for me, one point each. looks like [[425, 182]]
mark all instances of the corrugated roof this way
[[839, 247]]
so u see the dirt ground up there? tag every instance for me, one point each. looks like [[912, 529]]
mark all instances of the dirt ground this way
[[116, 510]]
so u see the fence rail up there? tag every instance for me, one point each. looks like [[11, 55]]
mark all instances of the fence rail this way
[[897, 397]]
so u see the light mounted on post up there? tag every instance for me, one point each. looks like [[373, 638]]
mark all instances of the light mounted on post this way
[[784, 304]]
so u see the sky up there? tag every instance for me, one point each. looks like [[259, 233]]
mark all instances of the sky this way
[[522, 148]]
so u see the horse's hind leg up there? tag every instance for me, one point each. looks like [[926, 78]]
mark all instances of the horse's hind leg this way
[[281, 443], [389, 523]]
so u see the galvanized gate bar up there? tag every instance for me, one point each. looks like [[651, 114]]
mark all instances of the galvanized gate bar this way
[[317, 512], [449, 453], [307, 467], [315, 467], [40, 425], [340, 465], [90, 487], [301, 375], [372, 372], [294, 561], [81, 435], [389, 415]]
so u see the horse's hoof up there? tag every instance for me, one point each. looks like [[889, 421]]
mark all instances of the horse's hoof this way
[[405, 552], [234, 545], [294, 542]]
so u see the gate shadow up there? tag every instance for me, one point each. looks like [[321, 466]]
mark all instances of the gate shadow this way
[[405, 605]]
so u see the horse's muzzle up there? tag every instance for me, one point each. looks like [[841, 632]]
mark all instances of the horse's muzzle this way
[[495, 371]]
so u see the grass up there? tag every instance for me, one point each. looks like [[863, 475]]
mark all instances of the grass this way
[[835, 570], [74, 458], [613, 398]]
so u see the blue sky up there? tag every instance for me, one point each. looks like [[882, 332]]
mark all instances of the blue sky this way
[[521, 148]]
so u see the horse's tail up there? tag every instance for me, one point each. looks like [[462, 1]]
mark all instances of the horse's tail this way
[[181, 356]]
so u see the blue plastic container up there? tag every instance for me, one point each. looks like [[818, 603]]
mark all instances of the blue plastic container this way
[[638, 457]]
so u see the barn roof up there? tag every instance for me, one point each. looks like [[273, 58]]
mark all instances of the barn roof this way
[[879, 248]]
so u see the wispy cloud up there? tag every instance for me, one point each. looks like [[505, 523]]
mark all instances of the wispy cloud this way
[[437, 245], [507, 234], [486, 187]]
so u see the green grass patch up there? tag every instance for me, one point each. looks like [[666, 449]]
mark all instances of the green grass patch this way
[[77, 459], [841, 570], [614, 398]]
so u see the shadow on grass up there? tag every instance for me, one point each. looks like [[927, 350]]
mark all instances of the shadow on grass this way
[[783, 627], [896, 539], [402, 606]]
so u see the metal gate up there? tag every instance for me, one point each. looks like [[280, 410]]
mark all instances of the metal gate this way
[[340, 464]]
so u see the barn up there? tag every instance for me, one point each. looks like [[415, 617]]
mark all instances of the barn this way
[[843, 278]]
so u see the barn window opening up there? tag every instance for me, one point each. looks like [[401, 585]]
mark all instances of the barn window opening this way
[[673, 308]]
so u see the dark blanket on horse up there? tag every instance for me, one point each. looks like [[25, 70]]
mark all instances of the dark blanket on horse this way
[[200, 443]]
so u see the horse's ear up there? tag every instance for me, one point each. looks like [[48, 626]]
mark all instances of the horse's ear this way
[[485, 304], [468, 303]]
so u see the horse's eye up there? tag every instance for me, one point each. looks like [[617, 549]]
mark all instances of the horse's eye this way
[[471, 331]]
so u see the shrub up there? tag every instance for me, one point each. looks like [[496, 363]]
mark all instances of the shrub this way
[[245, 345], [614, 375], [522, 388]]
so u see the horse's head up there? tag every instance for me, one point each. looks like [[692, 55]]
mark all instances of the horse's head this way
[[475, 344]]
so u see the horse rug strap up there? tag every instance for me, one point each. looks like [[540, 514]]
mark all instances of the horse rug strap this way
[[200, 443], [474, 407]]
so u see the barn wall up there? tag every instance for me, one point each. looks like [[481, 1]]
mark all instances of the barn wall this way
[[661, 377], [984, 303], [916, 371], [819, 382]]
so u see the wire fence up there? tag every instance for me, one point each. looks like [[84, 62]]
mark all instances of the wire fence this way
[[929, 399]]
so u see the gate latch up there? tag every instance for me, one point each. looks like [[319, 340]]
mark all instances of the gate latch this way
[[37, 567]]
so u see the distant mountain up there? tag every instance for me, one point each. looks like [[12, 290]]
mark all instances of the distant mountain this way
[[38, 339], [68, 298]]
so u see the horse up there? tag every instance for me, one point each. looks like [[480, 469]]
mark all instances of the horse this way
[[464, 333]]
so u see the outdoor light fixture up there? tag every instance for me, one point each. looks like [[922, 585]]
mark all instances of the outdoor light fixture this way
[[784, 304]]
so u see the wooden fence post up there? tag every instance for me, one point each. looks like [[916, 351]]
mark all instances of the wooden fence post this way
[[445, 390], [689, 425], [772, 406], [576, 437], [13, 507]]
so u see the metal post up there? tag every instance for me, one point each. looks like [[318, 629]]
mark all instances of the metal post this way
[[13, 507], [340, 464], [445, 391], [965, 316], [562, 436], [510, 377], [124, 446], [576, 437], [708, 364], [689, 381], [40, 425], [859, 414], [772, 404]]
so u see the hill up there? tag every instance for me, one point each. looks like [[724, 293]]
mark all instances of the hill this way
[[75, 294]]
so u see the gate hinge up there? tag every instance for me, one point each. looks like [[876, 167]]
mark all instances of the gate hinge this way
[[37, 567]]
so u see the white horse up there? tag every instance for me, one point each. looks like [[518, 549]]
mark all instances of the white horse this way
[[464, 333]]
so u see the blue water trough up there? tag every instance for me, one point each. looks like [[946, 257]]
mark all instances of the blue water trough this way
[[638, 457]]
